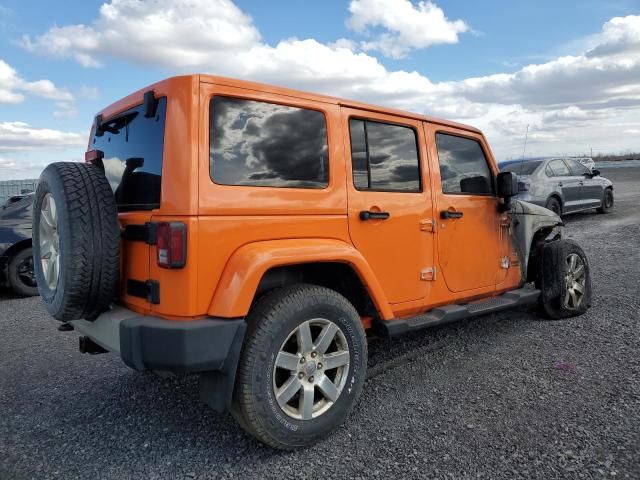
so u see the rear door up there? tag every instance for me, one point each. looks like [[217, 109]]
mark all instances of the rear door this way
[[389, 201], [132, 144], [467, 209]]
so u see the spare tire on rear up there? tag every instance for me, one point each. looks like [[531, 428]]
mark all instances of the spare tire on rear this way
[[76, 240]]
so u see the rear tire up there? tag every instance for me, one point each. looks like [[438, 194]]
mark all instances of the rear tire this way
[[279, 327], [564, 280], [83, 237], [607, 202], [554, 205], [21, 275]]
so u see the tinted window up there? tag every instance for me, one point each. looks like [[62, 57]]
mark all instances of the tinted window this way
[[558, 168], [463, 166], [576, 168], [384, 157], [548, 171], [133, 146], [522, 168], [264, 144]]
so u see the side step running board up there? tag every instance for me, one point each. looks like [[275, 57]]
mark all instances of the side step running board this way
[[455, 312]]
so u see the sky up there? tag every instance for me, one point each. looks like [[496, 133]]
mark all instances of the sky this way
[[569, 71]]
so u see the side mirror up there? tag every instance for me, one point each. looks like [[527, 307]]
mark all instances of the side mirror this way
[[507, 183], [595, 173]]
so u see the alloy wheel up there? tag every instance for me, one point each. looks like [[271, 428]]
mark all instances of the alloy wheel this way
[[311, 369], [49, 241], [575, 281], [26, 273]]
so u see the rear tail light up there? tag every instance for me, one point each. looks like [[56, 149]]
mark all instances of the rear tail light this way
[[171, 242], [92, 156], [523, 186]]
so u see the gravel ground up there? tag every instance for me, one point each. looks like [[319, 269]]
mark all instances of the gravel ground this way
[[501, 396]]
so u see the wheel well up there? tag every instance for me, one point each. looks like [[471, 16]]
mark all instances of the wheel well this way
[[557, 197], [334, 275], [16, 247], [539, 238]]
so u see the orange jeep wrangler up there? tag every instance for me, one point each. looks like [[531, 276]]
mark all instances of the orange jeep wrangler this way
[[253, 234]]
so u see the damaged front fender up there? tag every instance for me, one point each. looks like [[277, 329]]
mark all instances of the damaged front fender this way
[[532, 224]]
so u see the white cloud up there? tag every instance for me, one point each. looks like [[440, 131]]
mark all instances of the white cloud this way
[[161, 32], [569, 102], [7, 162], [20, 137], [13, 87], [407, 26], [25, 150], [605, 76]]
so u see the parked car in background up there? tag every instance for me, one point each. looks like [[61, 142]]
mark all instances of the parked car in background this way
[[563, 185], [16, 260], [15, 198]]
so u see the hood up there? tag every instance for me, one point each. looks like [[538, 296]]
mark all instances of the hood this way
[[525, 208]]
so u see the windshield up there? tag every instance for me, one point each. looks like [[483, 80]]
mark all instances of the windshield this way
[[132, 145], [521, 168]]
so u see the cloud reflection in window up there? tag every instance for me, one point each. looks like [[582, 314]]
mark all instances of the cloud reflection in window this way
[[265, 144]]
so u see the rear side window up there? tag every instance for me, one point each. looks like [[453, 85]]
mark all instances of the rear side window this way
[[559, 168], [133, 146], [384, 157], [463, 166], [576, 168], [267, 145]]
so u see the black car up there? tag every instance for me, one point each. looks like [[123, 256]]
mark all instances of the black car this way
[[16, 260]]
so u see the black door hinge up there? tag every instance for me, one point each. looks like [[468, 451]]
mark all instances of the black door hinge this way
[[149, 290], [141, 233]]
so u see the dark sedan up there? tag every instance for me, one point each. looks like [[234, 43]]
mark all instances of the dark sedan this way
[[16, 260], [561, 185]]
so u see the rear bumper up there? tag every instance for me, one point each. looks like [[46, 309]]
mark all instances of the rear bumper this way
[[210, 346]]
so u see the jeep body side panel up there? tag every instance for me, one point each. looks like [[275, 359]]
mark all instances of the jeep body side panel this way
[[249, 263], [231, 216]]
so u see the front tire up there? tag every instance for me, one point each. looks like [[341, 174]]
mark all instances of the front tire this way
[[553, 204], [302, 367], [564, 280]]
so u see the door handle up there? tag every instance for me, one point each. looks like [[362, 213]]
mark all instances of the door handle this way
[[581, 183], [444, 214], [369, 215]]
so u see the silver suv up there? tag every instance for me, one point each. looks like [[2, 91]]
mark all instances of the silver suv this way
[[562, 185]]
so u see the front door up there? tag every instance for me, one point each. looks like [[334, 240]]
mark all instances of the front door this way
[[466, 209], [590, 190], [570, 185], [390, 209]]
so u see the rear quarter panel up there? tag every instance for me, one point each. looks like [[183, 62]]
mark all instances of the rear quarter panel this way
[[233, 216]]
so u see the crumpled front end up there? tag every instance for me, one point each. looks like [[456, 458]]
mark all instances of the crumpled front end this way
[[532, 224]]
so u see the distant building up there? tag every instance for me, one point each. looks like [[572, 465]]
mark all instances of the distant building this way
[[9, 188]]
